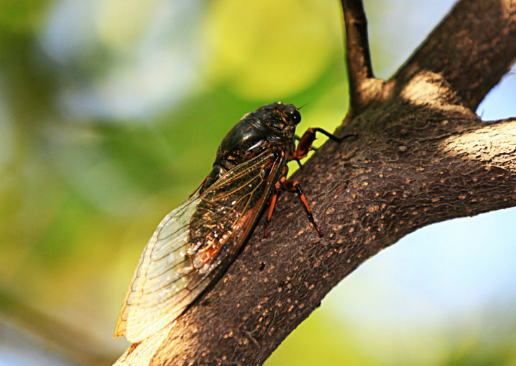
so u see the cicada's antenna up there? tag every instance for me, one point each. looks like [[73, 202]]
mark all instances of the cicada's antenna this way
[[304, 105]]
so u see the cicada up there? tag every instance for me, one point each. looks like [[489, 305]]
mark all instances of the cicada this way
[[195, 243]]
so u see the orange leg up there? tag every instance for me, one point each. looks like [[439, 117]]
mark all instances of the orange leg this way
[[293, 186], [304, 145], [306, 141], [272, 204]]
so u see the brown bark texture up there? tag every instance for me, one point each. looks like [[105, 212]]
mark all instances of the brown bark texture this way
[[422, 155]]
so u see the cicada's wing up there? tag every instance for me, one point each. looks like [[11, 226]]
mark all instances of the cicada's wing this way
[[193, 245], [157, 289]]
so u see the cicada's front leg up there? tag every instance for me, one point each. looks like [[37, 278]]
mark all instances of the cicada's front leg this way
[[291, 186], [305, 143]]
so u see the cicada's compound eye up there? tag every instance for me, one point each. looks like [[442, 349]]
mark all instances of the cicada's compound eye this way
[[296, 116]]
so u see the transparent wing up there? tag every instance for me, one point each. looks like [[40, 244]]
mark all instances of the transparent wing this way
[[191, 246], [162, 272]]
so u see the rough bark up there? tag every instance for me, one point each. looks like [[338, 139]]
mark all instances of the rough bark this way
[[422, 155]]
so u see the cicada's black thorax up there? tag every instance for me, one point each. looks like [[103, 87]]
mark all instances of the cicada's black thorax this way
[[270, 127]]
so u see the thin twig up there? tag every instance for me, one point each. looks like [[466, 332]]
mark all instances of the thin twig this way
[[358, 57]]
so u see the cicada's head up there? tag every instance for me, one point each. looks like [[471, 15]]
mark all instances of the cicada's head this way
[[277, 121]]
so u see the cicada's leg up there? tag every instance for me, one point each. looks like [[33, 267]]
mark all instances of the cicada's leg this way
[[293, 186], [298, 160], [272, 204], [306, 141]]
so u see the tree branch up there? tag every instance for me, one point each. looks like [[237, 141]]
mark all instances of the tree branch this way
[[422, 156], [398, 181]]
